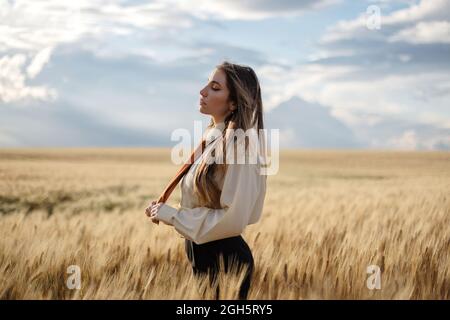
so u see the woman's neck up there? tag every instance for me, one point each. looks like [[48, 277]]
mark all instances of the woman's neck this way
[[217, 121]]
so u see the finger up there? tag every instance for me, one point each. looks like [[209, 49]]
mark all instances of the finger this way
[[150, 212], [157, 204]]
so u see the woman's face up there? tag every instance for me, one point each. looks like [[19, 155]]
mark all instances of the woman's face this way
[[214, 96]]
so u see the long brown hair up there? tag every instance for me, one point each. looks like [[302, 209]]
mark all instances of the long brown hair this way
[[245, 93]]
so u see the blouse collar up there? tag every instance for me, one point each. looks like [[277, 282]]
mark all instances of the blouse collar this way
[[220, 126]]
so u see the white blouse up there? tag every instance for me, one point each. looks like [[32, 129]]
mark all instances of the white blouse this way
[[242, 199]]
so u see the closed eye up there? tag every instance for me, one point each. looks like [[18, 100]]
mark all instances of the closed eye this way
[[214, 85]]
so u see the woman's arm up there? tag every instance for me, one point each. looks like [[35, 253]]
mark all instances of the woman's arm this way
[[242, 185]]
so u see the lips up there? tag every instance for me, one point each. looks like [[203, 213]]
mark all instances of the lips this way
[[202, 102]]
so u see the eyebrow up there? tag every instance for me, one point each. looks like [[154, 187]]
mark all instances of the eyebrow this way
[[215, 82]]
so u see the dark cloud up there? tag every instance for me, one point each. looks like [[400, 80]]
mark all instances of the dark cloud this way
[[282, 6], [377, 58], [308, 125]]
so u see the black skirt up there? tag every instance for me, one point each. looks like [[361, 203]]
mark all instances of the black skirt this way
[[205, 259]]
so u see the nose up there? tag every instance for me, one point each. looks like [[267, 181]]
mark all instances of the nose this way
[[203, 92]]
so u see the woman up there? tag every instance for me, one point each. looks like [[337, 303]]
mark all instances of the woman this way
[[218, 199]]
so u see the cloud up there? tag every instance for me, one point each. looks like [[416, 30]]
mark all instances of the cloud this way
[[31, 25], [424, 11], [251, 9], [13, 86], [309, 125], [34, 29], [344, 89], [410, 140], [407, 141], [424, 32], [403, 67], [41, 58], [413, 32], [396, 133]]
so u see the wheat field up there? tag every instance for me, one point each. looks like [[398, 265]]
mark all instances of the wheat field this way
[[328, 216]]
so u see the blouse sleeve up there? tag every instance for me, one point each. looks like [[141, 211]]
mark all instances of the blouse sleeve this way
[[242, 184]]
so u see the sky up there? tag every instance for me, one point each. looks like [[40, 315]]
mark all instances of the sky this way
[[333, 73]]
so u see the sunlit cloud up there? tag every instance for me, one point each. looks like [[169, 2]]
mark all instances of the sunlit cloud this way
[[14, 74], [424, 32]]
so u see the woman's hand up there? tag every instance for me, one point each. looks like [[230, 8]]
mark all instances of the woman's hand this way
[[152, 210]]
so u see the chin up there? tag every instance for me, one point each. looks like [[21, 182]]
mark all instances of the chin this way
[[202, 110]]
